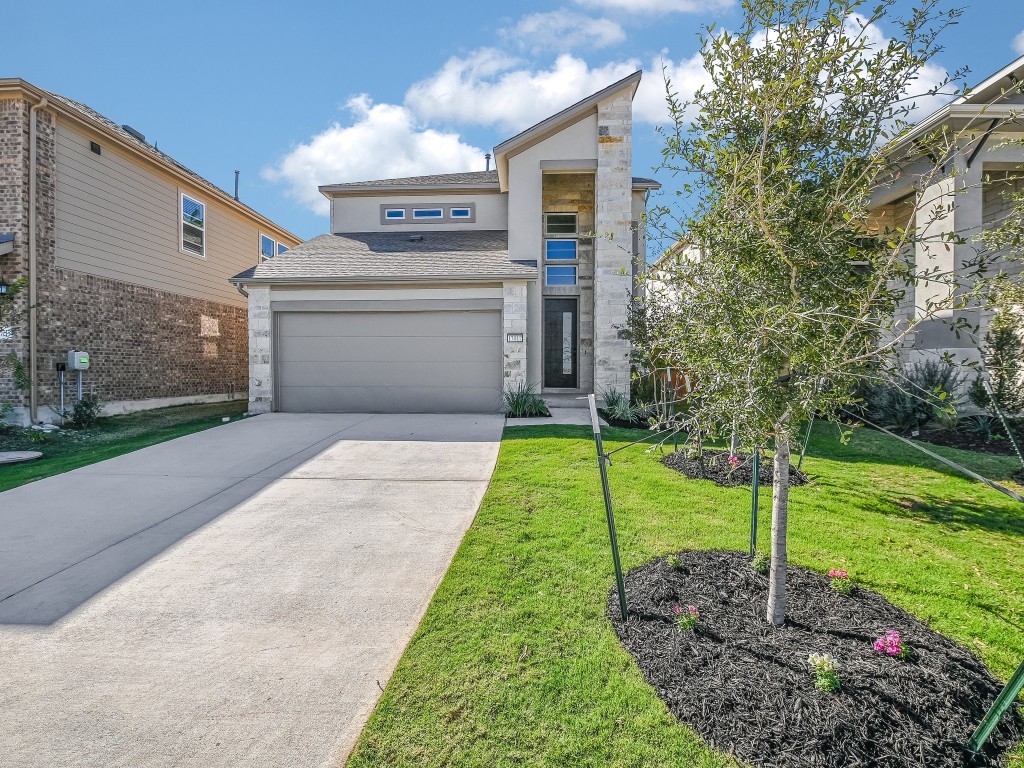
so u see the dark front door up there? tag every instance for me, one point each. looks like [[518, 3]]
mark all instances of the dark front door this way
[[561, 334]]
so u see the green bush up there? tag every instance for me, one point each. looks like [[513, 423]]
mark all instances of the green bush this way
[[1002, 356], [617, 405], [911, 398], [521, 401], [86, 412]]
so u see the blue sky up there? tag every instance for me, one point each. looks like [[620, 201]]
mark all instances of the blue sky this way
[[325, 92]]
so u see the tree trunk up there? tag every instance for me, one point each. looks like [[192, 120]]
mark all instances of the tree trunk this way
[[780, 511], [734, 444]]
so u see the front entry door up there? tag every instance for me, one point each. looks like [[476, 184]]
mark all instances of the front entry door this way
[[561, 335]]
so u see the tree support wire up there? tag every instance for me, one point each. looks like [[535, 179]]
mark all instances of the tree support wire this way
[[947, 462], [602, 461]]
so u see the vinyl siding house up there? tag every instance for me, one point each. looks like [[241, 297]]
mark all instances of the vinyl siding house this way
[[971, 189], [127, 254], [434, 293]]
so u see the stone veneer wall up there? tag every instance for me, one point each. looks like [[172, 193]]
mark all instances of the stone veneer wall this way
[[145, 344], [513, 320], [574, 193], [261, 371], [14, 220], [613, 259]]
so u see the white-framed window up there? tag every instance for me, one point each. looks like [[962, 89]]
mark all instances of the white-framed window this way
[[461, 213], [394, 214], [268, 247], [428, 213], [193, 226], [282, 249], [560, 224]]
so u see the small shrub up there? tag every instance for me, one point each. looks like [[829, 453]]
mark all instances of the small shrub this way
[[617, 405], [1002, 356], [36, 436], [910, 400], [520, 401], [761, 564], [826, 678], [686, 620], [676, 564], [86, 412], [891, 644], [840, 581], [982, 425]]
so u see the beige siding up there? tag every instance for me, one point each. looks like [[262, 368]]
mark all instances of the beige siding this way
[[119, 220]]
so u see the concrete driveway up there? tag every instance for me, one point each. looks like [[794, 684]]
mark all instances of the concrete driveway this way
[[230, 598]]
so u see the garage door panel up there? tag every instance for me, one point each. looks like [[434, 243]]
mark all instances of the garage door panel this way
[[430, 361], [438, 373], [413, 350], [417, 324]]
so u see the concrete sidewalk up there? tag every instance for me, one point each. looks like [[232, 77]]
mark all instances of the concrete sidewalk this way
[[232, 597]]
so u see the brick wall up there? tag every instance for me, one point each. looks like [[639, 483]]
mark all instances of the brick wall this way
[[14, 220], [145, 344]]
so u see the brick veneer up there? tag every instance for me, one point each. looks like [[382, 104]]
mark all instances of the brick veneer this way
[[145, 344]]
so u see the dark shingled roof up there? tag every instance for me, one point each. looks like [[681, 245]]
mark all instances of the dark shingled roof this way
[[393, 256]]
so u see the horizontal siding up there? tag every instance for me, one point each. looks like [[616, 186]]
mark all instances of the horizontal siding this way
[[116, 219]]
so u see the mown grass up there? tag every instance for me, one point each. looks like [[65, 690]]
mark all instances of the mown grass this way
[[515, 663], [112, 436]]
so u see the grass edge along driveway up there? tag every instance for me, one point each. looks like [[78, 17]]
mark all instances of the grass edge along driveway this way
[[515, 664]]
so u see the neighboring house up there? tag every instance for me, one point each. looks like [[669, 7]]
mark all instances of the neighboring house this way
[[127, 254], [971, 194], [434, 293]]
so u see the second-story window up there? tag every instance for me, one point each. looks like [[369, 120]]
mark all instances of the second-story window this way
[[193, 226], [268, 248], [560, 247]]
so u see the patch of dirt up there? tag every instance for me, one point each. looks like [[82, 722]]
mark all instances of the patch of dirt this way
[[716, 467], [746, 688]]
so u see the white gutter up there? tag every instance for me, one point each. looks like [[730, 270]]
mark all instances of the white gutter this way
[[33, 342]]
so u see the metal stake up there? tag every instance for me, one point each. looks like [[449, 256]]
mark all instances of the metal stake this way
[[1003, 702], [602, 461], [755, 488], [807, 439]]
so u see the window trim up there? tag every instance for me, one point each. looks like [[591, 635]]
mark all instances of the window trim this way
[[439, 217], [575, 275], [561, 235], [182, 195], [454, 208], [274, 244], [388, 211]]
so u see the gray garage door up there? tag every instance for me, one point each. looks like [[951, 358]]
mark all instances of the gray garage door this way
[[388, 362]]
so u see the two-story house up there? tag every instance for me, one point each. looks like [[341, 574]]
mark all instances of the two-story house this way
[[434, 293], [126, 254]]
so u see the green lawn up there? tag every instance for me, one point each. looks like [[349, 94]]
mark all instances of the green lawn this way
[[70, 448], [515, 664]]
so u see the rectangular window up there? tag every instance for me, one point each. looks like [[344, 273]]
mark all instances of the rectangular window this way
[[560, 250], [268, 248], [395, 214], [559, 223], [428, 213], [460, 213], [560, 275], [281, 249], [193, 226]]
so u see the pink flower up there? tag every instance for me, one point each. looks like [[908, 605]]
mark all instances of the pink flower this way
[[891, 644], [677, 610], [735, 461], [835, 573], [693, 611]]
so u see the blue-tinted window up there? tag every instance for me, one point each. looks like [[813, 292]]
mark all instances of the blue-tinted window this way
[[267, 247], [428, 213], [559, 249], [193, 226], [460, 213], [560, 275], [394, 213], [281, 249]]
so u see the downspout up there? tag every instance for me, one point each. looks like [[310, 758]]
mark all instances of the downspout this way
[[33, 394]]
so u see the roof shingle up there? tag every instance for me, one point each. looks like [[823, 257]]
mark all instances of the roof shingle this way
[[393, 255]]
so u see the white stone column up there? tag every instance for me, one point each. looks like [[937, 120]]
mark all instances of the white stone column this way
[[513, 322], [613, 242], [261, 377]]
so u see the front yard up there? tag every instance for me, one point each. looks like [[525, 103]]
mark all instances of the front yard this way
[[515, 663], [112, 436]]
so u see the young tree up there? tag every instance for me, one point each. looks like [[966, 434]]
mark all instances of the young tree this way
[[782, 292]]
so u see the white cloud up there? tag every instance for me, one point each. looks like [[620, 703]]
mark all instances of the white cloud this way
[[659, 7], [563, 30], [1018, 43], [383, 141], [686, 76], [483, 89]]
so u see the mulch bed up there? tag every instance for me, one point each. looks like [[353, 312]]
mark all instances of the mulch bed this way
[[746, 688], [621, 423], [716, 467], [970, 442]]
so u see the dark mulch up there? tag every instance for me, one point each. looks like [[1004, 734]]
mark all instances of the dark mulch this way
[[716, 467], [746, 688], [970, 441]]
